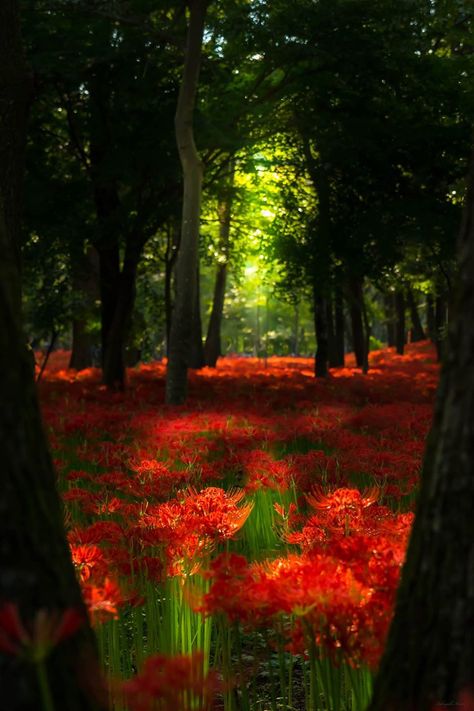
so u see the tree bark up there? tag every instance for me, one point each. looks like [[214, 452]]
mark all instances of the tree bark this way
[[196, 359], [36, 567], [429, 656], [389, 303], [212, 348], [172, 247], [440, 324], [357, 320], [114, 370], [322, 336], [332, 354], [400, 329], [181, 326], [418, 333], [430, 317], [86, 288], [339, 327]]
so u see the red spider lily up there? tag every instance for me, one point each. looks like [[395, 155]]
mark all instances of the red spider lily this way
[[87, 558], [48, 629], [102, 600], [172, 683]]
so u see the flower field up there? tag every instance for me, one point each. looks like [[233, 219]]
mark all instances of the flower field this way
[[242, 552]]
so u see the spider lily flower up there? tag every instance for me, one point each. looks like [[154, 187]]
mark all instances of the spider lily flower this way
[[48, 629]]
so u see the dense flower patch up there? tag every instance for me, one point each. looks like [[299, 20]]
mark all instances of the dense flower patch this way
[[279, 504]]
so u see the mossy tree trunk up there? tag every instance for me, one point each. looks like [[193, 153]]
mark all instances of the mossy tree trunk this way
[[429, 656], [187, 263], [36, 568]]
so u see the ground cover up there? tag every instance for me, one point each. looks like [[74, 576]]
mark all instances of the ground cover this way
[[243, 551]]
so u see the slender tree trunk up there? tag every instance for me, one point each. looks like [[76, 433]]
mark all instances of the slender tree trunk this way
[[339, 327], [295, 340], [418, 333], [429, 657], [440, 324], [357, 320], [107, 204], [212, 349], [332, 346], [400, 327], [172, 247], [181, 326], [114, 371], [36, 566], [196, 359], [86, 288], [430, 318], [389, 303], [322, 341]]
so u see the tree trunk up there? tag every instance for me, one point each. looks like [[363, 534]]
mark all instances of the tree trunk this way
[[339, 327], [37, 571], [85, 284], [357, 321], [332, 349], [322, 340], [172, 247], [430, 318], [429, 656], [114, 371], [181, 326], [212, 349], [400, 330], [196, 359], [389, 302], [418, 333], [107, 204], [440, 324]]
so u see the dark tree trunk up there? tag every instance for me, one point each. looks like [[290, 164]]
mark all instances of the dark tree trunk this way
[[440, 324], [82, 345], [417, 333], [108, 209], [430, 318], [357, 320], [196, 359], [321, 330], [389, 302], [109, 279], [332, 346], [339, 327], [295, 338], [213, 349], [114, 371], [429, 656], [86, 288], [400, 331], [36, 567], [183, 313], [172, 247]]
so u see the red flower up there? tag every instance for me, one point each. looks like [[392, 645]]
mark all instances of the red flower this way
[[49, 628]]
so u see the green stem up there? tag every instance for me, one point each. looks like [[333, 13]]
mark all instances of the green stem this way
[[45, 691]]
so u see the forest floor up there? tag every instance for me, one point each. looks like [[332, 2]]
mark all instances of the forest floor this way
[[263, 524]]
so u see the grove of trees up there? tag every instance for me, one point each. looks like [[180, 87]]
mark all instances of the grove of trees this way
[[199, 178]]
